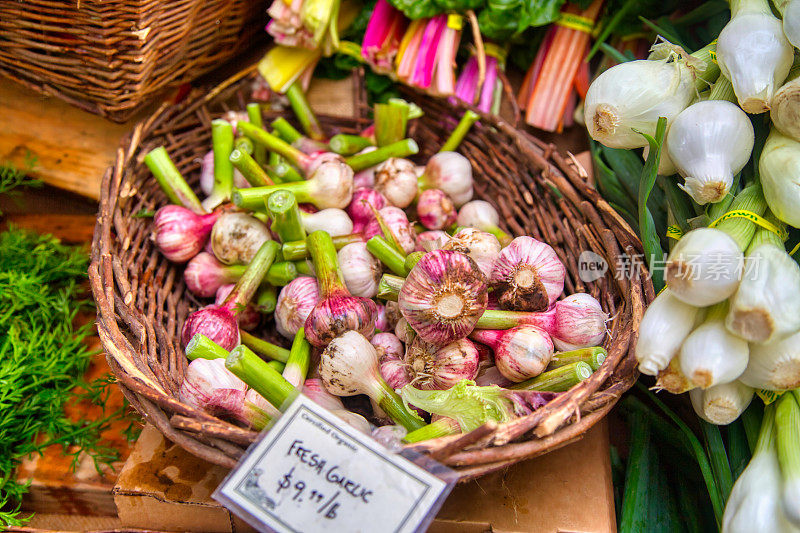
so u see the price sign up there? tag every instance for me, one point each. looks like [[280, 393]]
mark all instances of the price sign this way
[[314, 472]]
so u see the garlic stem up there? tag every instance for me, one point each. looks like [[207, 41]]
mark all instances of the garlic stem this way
[[277, 366], [260, 376], [256, 270], [222, 144], [201, 347], [412, 259], [285, 214], [266, 298], [299, 359], [390, 123], [283, 129], [250, 169], [263, 348], [281, 273], [467, 120], [326, 265], [389, 287], [438, 428], [274, 144], [286, 172], [557, 380], [302, 109], [593, 356], [304, 268], [344, 144], [171, 181], [495, 319], [257, 120], [387, 254], [243, 144], [292, 251], [723, 90], [403, 148], [392, 405]]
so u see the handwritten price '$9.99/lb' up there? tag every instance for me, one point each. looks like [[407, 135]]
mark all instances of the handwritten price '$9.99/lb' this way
[[328, 505]]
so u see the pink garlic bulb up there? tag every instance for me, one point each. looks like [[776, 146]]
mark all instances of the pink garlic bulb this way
[[428, 241], [528, 275], [314, 389], [443, 296], [181, 234], [482, 247], [204, 274], [236, 237], [397, 222], [388, 347], [432, 367], [360, 269], [580, 322], [396, 179], [295, 302], [435, 210], [519, 353], [217, 322], [452, 173], [395, 373], [492, 376], [360, 208]]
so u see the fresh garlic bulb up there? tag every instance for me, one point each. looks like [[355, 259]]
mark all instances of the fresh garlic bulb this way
[[765, 306], [236, 237], [396, 179], [452, 173], [480, 246], [295, 302], [429, 241], [443, 296], [397, 222], [334, 221], [709, 142], [203, 378], [430, 367], [388, 347], [721, 404], [360, 269], [705, 267], [520, 353], [435, 210], [665, 325], [630, 97], [774, 366], [711, 355], [779, 168], [754, 54], [528, 275]]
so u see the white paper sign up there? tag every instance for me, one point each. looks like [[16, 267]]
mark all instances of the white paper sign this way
[[313, 472]]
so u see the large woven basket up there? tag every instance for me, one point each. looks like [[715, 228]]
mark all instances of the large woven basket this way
[[109, 57], [142, 300]]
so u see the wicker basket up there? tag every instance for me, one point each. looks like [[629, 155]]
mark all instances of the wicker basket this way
[[142, 301], [109, 57]]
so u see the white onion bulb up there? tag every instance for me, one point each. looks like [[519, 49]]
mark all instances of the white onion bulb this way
[[721, 404], [665, 325], [709, 142], [774, 366]]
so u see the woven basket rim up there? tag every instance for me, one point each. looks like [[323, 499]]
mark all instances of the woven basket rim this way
[[486, 449]]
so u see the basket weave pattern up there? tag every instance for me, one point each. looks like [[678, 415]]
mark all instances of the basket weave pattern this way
[[108, 57], [142, 300]]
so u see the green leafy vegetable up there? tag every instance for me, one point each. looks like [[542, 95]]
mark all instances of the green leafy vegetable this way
[[43, 358]]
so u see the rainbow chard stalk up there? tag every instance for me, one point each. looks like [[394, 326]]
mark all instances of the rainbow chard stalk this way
[[443, 296], [444, 76], [519, 353], [467, 89], [528, 275], [222, 142], [220, 322], [577, 321], [298, 361], [470, 406], [337, 310], [349, 366], [482, 215], [433, 367], [179, 233], [382, 37], [171, 181]]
